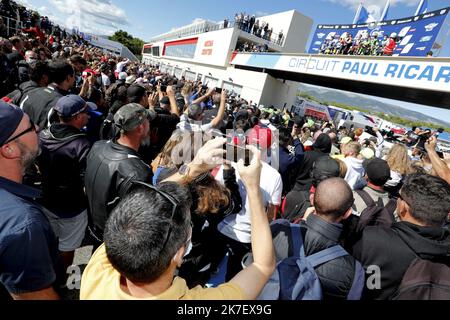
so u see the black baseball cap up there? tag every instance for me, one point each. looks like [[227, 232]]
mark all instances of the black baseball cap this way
[[325, 168], [377, 171]]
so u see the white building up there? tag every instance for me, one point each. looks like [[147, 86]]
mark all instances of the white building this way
[[204, 51]]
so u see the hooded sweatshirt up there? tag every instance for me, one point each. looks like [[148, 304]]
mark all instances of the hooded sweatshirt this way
[[321, 148], [394, 249], [355, 173], [63, 164]]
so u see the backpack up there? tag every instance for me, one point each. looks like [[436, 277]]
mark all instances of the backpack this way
[[295, 277], [376, 214], [425, 280]]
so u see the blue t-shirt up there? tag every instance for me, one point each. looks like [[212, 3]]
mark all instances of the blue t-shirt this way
[[29, 256]]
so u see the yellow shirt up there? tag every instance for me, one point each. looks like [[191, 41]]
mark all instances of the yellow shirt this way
[[101, 281]]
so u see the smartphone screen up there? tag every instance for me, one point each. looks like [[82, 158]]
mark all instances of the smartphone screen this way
[[219, 90]]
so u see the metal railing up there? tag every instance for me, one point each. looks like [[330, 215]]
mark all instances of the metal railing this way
[[13, 26], [209, 27]]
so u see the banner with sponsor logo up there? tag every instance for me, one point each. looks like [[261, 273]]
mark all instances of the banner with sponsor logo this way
[[416, 35], [416, 73]]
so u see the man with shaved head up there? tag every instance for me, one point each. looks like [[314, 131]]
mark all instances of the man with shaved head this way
[[322, 230], [333, 200]]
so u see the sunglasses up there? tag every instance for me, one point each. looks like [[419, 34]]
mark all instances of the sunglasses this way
[[175, 205], [32, 128]]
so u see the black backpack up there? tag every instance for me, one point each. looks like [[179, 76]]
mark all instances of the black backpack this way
[[376, 213], [425, 280]]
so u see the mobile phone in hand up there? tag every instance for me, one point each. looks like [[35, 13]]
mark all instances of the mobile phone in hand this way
[[235, 153]]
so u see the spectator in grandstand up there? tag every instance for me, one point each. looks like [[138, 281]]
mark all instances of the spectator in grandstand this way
[[256, 28], [423, 208], [225, 23], [156, 264], [355, 168], [29, 257], [63, 164], [251, 24], [112, 167], [280, 38], [38, 103]]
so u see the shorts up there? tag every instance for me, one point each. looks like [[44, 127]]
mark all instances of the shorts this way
[[70, 231]]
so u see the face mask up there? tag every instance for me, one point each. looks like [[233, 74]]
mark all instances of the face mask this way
[[30, 61]]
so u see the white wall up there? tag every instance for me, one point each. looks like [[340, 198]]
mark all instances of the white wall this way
[[296, 28], [298, 33], [214, 47]]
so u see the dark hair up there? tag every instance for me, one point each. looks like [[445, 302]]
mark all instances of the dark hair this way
[[60, 70], [299, 121], [333, 197], [428, 197], [135, 232], [76, 58], [15, 40], [284, 136], [38, 70]]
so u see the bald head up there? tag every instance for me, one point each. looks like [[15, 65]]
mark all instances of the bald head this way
[[333, 137], [333, 198]]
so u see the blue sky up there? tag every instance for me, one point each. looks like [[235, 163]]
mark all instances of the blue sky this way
[[146, 19]]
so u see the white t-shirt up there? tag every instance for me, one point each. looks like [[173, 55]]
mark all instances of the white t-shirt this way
[[105, 80], [189, 125], [238, 226]]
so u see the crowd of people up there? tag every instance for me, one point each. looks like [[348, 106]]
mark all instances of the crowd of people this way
[[261, 29], [364, 44], [166, 177], [249, 47]]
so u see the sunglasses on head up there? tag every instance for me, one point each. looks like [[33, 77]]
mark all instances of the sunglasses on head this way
[[175, 205]]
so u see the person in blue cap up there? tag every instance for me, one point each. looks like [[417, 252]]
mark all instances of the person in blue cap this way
[[29, 259]]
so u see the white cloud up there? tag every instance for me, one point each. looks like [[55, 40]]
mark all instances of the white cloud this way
[[93, 16], [375, 7]]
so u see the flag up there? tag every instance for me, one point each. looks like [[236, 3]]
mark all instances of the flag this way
[[385, 11], [422, 8], [369, 119], [363, 16]]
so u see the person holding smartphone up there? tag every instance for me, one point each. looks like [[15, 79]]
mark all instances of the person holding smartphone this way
[[192, 120]]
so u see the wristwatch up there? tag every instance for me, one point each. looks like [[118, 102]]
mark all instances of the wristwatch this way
[[184, 172]]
